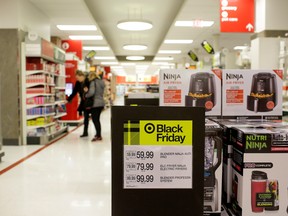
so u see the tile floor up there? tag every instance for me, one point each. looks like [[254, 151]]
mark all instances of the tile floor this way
[[69, 178]]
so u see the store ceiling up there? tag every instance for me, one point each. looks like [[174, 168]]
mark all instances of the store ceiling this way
[[105, 14]]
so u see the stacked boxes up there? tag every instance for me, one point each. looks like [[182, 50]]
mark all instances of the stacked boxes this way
[[259, 170]]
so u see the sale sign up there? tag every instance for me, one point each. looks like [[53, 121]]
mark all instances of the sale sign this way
[[237, 16]]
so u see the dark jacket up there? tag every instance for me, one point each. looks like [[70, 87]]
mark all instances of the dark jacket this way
[[79, 88], [96, 90]]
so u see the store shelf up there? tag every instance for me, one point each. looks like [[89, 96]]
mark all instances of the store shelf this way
[[40, 126], [29, 117], [60, 102], [32, 72], [44, 139], [60, 115], [30, 85], [36, 95], [30, 106]]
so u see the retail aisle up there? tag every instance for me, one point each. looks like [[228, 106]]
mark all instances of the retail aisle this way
[[70, 177]]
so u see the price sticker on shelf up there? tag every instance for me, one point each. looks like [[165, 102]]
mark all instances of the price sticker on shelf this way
[[158, 154]]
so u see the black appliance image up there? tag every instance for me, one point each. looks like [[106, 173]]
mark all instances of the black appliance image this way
[[202, 91], [263, 96], [212, 160]]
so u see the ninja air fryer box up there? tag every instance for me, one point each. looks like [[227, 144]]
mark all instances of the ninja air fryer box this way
[[252, 94], [259, 178], [213, 162], [191, 88]]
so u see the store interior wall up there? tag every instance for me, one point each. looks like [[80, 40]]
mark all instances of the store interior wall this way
[[22, 14]]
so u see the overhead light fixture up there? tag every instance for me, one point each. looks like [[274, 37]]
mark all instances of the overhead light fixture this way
[[134, 25], [77, 27], [135, 47], [194, 23], [178, 41], [135, 58], [109, 63], [169, 51], [99, 48], [104, 57], [240, 47], [163, 58], [86, 37]]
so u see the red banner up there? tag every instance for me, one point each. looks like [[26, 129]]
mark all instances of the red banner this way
[[237, 16]]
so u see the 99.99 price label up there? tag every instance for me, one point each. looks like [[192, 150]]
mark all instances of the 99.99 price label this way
[[158, 154]]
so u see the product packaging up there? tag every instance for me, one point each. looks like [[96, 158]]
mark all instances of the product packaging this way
[[259, 178], [191, 88], [252, 94], [213, 162]]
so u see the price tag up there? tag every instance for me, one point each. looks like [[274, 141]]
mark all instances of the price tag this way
[[157, 154]]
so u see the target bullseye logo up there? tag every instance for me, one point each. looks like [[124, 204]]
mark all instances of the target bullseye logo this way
[[149, 128]]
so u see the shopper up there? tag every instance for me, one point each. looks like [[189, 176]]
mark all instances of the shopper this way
[[81, 83], [96, 90]]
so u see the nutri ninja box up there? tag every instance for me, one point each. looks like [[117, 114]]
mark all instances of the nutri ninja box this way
[[213, 162], [259, 178]]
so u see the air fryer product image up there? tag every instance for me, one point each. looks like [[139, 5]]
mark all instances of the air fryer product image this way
[[263, 96], [191, 88], [212, 168], [252, 94], [201, 91]]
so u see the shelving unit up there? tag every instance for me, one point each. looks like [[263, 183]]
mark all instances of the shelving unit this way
[[43, 81]]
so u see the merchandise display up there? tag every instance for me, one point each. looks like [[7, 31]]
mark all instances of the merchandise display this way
[[45, 91], [213, 163], [252, 94], [259, 158], [192, 88]]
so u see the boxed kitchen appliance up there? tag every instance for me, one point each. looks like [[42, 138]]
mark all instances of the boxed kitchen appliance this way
[[213, 162], [191, 88], [252, 94], [259, 185]]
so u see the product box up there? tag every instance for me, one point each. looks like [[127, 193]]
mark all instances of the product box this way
[[213, 162], [252, 94], [227, 125], [259, 185], [191, 88]]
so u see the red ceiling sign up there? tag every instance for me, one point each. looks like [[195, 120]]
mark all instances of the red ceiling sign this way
[[237, 15]]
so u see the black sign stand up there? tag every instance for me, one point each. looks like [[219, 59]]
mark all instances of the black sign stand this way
[[157, 202]]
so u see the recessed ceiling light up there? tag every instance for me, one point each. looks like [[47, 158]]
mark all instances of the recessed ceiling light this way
[[134, 25], [194, 23], [178, 41], [169, 51], [135, 58], [99, 48], [104, 57], [163, 58], [240, 47], [77, 27], [135, 47], [109, 63], [86, 37]]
